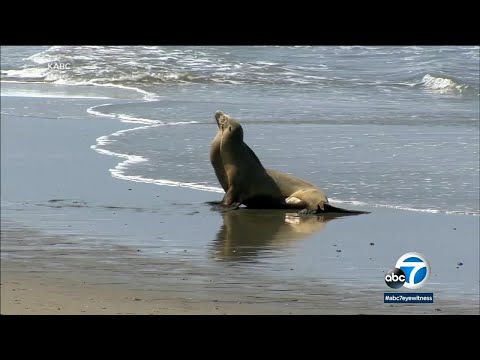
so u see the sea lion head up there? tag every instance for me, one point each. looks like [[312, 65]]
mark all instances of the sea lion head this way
[[218, 115], [229, 126]]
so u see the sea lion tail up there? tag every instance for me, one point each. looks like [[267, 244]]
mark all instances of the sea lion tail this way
[[334, 209]]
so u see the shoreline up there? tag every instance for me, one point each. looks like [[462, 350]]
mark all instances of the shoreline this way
[[78, 241]]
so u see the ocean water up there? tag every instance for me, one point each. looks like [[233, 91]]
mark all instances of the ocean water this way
[[394, 127]]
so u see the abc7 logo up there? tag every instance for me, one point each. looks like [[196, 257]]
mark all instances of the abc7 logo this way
[[412, 271]]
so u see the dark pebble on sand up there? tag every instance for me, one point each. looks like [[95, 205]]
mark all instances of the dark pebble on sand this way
[[129, 189], [334, 244], [459, 263], [437, 309], [454, 228], [338, 250], [371, 244], [138, 249], [291, 269]]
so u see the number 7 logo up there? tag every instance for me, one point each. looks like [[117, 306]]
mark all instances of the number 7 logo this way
[[416, 269]]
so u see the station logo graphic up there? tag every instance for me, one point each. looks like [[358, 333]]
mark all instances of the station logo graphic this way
[[411, 271]]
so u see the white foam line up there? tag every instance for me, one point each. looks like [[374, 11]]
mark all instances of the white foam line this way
[[22, 82], [91, 110], [119, 169], [457, 212], [399, 207], [147, 96], [55, 96], [123, 117], [351, 202], [405, 208], [360, 203], [104, 140]]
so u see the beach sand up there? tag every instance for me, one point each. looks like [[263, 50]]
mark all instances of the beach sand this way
[[75, 240]]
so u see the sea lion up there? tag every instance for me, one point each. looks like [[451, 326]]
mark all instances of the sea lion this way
[[246, 181], [216, 159]]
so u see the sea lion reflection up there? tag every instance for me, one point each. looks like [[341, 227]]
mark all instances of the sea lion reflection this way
[[247, 232]]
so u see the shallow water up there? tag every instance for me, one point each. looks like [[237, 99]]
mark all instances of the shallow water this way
[[378, 126], [391, 130]]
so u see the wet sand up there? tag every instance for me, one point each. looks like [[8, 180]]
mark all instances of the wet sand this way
[[77, 241]]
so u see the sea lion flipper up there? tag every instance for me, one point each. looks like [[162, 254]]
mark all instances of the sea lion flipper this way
[[235, 205], [334, 209], [320, 209], [308, 211], [217, 162], [231, 198], [295, 202], [330, 209]]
